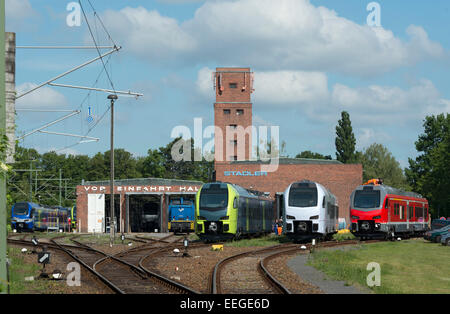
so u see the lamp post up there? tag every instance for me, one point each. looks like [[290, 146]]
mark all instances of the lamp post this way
[[112, 97]]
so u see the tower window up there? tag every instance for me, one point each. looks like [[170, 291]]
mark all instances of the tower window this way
[[239, 112], [226, 111], [233, 85]]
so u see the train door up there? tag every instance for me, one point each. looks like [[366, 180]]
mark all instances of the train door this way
[[279, 204], [397, 210]]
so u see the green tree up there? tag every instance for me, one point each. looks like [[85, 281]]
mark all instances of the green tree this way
[[152, 166], [345, 140], [311, 155], [429, 173], [124, 164], [378, 162]]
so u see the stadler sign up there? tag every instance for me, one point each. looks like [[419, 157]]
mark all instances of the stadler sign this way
[[245, 173]]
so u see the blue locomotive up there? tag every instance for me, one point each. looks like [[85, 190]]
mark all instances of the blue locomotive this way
[[27, 216], [181, 215]]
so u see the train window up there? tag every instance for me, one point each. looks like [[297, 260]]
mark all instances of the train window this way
[[419, 212], [323, 202], [396, 209], [21, 209], [303, 196], [410, 212], [367, 199], [235, 203]]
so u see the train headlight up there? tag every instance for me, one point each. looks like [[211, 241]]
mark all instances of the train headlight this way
[[355, 217], [377, 217], [314, 217], [225, 218], [290, 217]]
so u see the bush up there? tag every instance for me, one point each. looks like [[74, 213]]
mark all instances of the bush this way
[[343, 236]]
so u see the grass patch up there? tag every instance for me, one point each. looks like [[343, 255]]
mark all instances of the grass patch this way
[[262, 241], [411, 266], [19, 269]]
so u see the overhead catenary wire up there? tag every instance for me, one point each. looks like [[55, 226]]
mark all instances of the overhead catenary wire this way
[[95, 43]]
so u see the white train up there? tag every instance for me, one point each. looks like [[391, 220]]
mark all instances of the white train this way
[[310, 211]]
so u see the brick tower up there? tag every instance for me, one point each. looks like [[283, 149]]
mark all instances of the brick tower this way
[[233, 114]]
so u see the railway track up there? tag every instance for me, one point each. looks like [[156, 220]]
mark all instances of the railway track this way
[[120, 274], [246, 277], [251, 274], [129, 270]]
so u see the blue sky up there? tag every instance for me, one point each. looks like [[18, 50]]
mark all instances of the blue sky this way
[[312, 59]]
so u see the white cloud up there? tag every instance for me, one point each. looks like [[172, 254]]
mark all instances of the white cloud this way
[[17, 11], [367, 136], [287, 88], [266, 34], [148, 34], [279, 88], [179, 1], [382, 105], [42, 98]]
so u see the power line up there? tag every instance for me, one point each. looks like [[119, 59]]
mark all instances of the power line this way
[[95, 43]]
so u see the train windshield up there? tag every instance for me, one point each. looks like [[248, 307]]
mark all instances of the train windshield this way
[[214, 198], [367, 199], [21, 209], [303, 196]]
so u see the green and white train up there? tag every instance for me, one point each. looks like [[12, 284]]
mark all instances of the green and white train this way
[[227, 211]]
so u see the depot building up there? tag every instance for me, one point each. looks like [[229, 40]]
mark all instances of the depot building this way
[[134, 199]]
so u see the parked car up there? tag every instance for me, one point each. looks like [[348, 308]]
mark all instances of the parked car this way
[[439, 223], [436, 234], [445, 240]]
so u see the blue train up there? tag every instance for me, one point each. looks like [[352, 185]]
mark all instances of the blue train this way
[[181, 215], [27, 216]]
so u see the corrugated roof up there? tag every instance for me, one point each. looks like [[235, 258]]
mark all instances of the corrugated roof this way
[[145, 181]]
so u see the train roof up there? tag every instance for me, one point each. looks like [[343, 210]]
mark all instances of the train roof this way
[[242, 191], [144, 181], [316, 184], [391, 190]]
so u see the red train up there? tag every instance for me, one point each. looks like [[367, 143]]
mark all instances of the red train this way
[[380, 211]]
